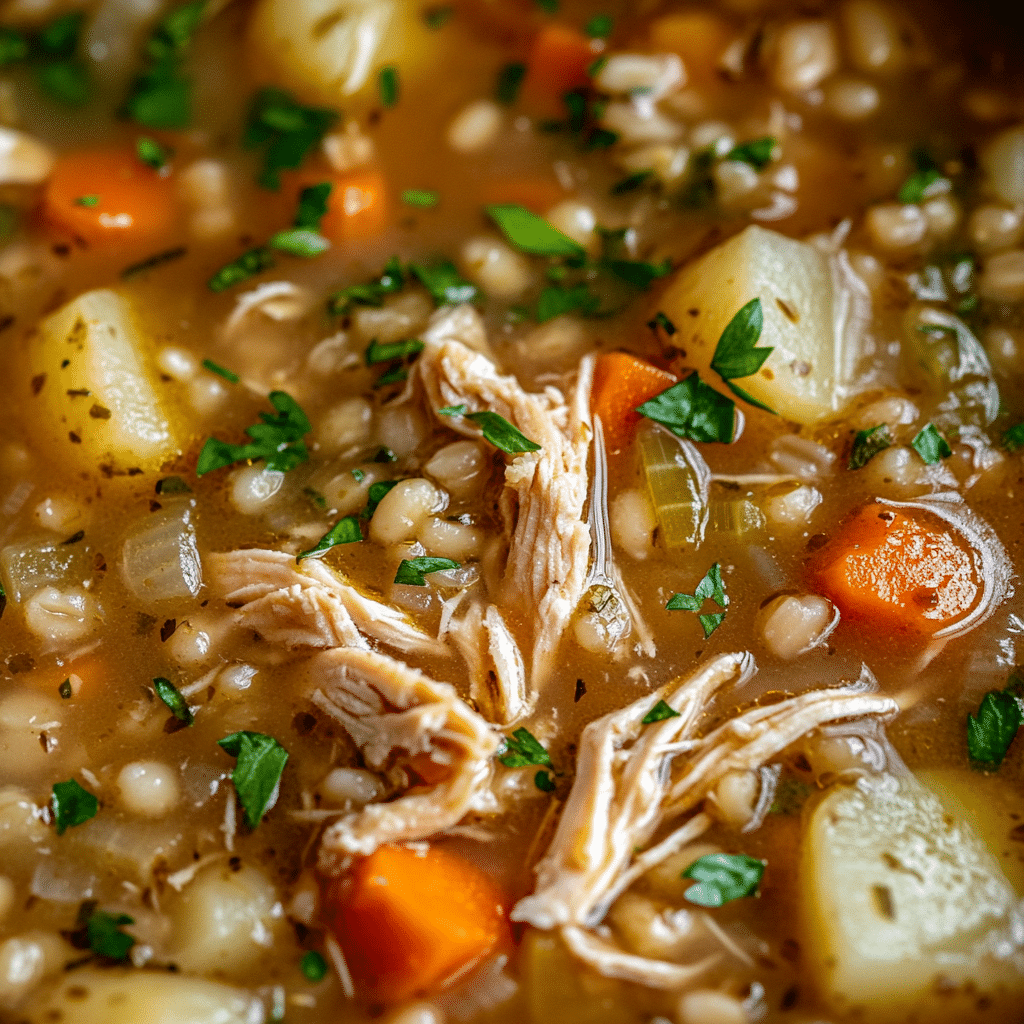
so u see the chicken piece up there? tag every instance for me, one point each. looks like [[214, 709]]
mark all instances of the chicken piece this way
[[307, 604], [401, 718], [632, 779], [545, 491]]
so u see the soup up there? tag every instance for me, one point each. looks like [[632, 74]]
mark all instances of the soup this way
[[510, 512]]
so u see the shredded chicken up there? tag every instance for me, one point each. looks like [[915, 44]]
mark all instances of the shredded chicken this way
[[307, 604], [545, 491], [397, 715], [496, 669], [633, 780]]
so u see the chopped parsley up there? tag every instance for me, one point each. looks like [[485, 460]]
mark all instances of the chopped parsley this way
[[638, 273], [868, 443], [259, 764], [723, 877], [88, 200], [600, 26], [931, 445], [420, 197], [384, 353], [373, 292], [151, 153], [790, 796], [412, 572], [442, 280], [344, 531], [659, 713], [72, 805], [387, 85], [510, 80], [556, 301], [452, 410], [548, 6], [992, 730], [299, 242], [313, 966], [925, 182], [1013, 439], [60, 73], [737, 354], [543, 781], [229, 375], [285, 130], [13, 46], [693, 410], [161, 96], [172, 697], [499, 432], [103, 932], [313, 204], [277, 438], [437, 17], [710, 588], [757, 152], [631, 183], [521, 750], [531, 233], [375, 495], [249, 264]]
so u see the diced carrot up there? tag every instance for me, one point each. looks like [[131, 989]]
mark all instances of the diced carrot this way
[[699, 37], [357, 209], [621, 383], [84, 674], [898, 570], [408, 921], [110, 198], [558, 62]]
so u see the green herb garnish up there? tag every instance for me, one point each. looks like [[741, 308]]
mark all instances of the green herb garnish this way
[[249, 264], [299, 242], [631, 183], [229, 375], [521, 750], [510, 80], [378, 353], [151, 153], [694, 410], [543, 781], [387, 85], [71, 805], [868, 443], [59, 72], [442, 280], [453, 410], [556, 301], [89, 200], [412, 572], [375, 493], [931, 445], [600, 26], [65, 689], [277, 438], [1013, 439], [502, 434], [710, 588], [313, 966], [924, 182], [757, 153], [104, 935], [437, 17], [13, 46], [344, 531], [259, 764], [992, 730], [172, 485], [736, 354], [172, 697], [532, 234], [723, 877], [662, 321], [373, 292], [420, 197], [659, 713]]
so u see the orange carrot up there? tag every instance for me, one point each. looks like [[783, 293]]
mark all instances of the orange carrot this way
[[409, 921], [109, 198], [699, 37], [357, 208], [85, 673], [558, 62], [621, 383], [897, 570]]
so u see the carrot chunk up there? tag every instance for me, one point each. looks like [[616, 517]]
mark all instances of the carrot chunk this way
[[621, 383], [558, 62], [357, 209], [109, 198], [897, 569], [409, 921]]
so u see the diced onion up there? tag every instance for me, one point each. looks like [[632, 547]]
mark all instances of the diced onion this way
[[160, 560]]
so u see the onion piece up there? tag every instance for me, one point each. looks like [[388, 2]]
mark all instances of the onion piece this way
[[159, 560]]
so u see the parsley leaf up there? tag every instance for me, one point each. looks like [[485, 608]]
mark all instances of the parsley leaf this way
[[276, 438], [636, 272], [257, 774], [344, 531], [229, 375], [1013, 439], [375, 495], [757, 152], [299, 242], [992, 730], [521, 750], [543, 781], [285, 129], [313, 966], [172, 697], [532, 234], [926, 181], [510, 79], [72, 805], [693, 410], [13, 46], [453, 410], [151, 153], [378, 353], [372, 293], [420, 197], [736, 354], [501, 433], [249, 264], [313, 203], [723, 877], [88, 200], [104, 935], [446, 286], [554, 301], [931, 445], [710, 588], [600, 26], [868, 443], [659, 713], [631, 183], [172, 485], [387, 85], [412, 572]]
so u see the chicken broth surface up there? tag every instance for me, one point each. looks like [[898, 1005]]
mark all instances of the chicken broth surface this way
[[510, 512]]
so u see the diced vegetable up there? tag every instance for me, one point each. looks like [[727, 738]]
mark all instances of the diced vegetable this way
[[329, 50], [104, 401], [678, 481], [558, 62], [357, 208], [699, 37], [622, 382], [110, 198], [897, 569], [897, 897], [28, 566], [793, 279], [408, 921], [160, 560]]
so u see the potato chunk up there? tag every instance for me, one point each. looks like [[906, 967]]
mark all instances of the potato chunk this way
[[902, 904], [794, 282], [102, 399]]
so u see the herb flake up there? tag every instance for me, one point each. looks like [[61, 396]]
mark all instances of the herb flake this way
[[229, 375], [387, 85], [72, 805], [344, 531], [693, 410], [991, 731], [420, 197], [172, 697], [659, 713], [531, 233], [757, 152], [259, 764], [510, 80], [931, 445], [522, 749], [722, 878], [313, 966], [502, 434], [868, 443], [710, 588], [104, 935], [412, 572]]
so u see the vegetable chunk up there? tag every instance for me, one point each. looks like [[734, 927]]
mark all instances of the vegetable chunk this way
[[899, 570], [408, 921], [793, 279], [621, 383], [897, 897], [103, 403]]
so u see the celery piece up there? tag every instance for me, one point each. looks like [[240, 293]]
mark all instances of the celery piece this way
[[677, 482]]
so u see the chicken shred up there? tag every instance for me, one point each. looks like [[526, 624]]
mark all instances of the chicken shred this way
[[633, 780], [396, 714]]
